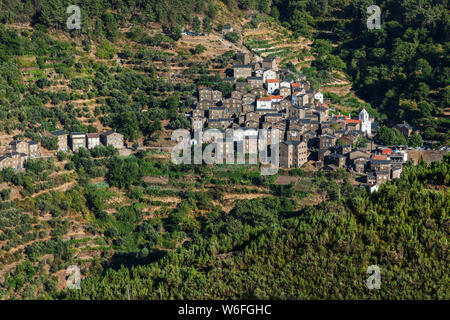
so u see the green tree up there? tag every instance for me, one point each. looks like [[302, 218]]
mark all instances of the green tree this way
[[207, 24], [415, 140], [196, 25]]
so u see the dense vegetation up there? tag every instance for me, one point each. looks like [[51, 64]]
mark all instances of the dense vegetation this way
[[402, 69], [204, 232], [263, 249]]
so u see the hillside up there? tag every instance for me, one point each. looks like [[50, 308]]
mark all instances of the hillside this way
[[401, 69], [200, 232]]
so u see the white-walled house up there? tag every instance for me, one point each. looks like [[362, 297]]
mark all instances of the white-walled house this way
[[92, 140], [269, 74], [272, 85], [264, 103]]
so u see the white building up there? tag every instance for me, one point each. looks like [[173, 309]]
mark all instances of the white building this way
[[264, 103], [92, 140], [269, 74], [366, 125], [272, 85]]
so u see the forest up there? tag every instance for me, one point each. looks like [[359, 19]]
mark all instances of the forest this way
[[402, 69], [263, 249]]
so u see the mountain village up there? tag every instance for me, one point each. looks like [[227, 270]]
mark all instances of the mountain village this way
[[265, 97]]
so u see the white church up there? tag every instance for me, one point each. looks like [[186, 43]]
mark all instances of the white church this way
[[366, 125]]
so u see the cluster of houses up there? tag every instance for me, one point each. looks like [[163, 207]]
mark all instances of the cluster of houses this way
[[265, 97], [17, 152], [73, 141]]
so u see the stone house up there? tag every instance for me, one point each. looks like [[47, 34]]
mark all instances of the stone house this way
[[232, 105], [258, 92], [297, 112], [294, 135], [198, 113], [18, 146], [248, 107], [242, 71], [299, 99], [273, 117], [251, 123], [357, 154], [380, 165], [405, 129], [241, 87], [222, 123], [396, 171], [327, 130], [255, 82], [327, 141], [310, 138], [206, 104], [246, 139], [270, 63], [209, 94], [285, 104], [62, 137], [13, 160], [33, 149], [197, 123], [293, 154], [255, 116], [112, 138], [243, 57], [322, 153], [382, 176], [323, 113], [344, 149], [248, 98], [360, 164], [337, 159], [216, 112], [236, 95]]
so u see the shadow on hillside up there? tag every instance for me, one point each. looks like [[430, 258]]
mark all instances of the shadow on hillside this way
[[128, 260]]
